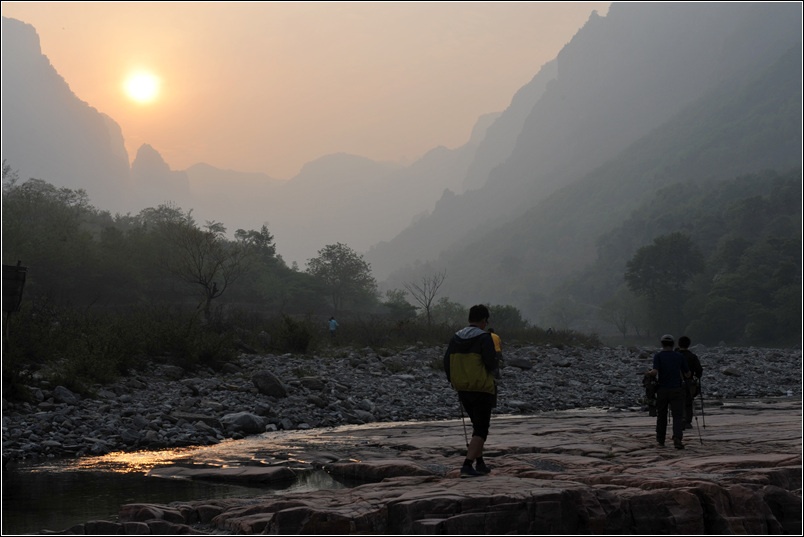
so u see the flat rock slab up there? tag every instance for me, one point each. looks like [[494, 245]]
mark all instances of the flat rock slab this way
[[561, 472]]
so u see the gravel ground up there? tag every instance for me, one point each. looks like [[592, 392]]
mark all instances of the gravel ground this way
[[166, 406]]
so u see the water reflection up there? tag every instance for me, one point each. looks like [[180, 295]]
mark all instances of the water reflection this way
[[117, 462], [57, 501], [56, 495]]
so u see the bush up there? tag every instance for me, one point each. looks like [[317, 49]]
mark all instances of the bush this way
[[78, 348], [292, 335], [189, 342], [557, 338], [73, 348]]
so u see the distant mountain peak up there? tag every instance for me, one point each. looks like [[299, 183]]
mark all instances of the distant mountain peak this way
[[57, 137], [149, 158]]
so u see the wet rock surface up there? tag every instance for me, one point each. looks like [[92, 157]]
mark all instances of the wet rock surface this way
[[559, 472]]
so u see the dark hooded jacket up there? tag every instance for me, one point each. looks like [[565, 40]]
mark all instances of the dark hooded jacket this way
[[470, 360]]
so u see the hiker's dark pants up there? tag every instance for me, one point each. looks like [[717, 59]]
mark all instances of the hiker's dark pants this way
[[673, 398], [478, 407]]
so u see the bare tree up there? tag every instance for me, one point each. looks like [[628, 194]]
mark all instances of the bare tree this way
[[204, 257], [425, 291], [619, 311]]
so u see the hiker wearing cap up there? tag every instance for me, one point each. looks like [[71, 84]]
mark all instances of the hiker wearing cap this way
[[469, 362], [671, 369]]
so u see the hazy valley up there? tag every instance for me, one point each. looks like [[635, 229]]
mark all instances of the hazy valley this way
[[651, 108]]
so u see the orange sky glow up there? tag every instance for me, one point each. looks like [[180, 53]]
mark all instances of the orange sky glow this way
[[268, 86]]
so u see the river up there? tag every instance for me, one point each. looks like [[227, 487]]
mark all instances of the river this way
[[56, 495]]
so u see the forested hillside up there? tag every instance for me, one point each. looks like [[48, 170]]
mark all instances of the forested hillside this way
[[620, 79], [742, 127], [747, 291]]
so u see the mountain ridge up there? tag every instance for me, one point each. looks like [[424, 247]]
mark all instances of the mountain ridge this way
[[516, 186], [641, 98], [37, 107], [658, 156]]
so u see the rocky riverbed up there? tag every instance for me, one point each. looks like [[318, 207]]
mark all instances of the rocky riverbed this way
[[166, 406]]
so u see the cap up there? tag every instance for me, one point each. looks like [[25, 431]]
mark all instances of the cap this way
[[667, 338]]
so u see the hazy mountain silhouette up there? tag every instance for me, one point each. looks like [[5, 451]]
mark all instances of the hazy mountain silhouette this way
[[236, 199], [351, 199], [154, 183], [651, 95], [501, 135], [737, 129], [49, 133], [621, 80]]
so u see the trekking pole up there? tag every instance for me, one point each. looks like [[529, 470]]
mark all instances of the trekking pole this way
[[465, 436], [703, 416], [696, 424]]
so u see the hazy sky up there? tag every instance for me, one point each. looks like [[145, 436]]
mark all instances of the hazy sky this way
[[269, 86]]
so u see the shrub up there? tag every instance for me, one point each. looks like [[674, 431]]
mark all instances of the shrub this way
[[74, 348], [292, 335]]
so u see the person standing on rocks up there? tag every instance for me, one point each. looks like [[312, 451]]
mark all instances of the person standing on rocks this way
[[333, 327], [671, 368], [470, 362], [692, 384]]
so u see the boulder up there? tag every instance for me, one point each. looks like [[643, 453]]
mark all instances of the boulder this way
[[269, 384], [244, 422]]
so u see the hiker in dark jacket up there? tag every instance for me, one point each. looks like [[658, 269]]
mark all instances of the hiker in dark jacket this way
[[671, 369], [693, 383], [470, 362]]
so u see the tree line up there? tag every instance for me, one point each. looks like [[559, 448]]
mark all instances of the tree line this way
[[720, 261], [107, 293]]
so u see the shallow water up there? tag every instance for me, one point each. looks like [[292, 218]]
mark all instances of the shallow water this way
[[56, 495]]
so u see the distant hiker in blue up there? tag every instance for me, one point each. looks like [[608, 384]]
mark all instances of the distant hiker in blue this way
[[333, 326], [672, 369]]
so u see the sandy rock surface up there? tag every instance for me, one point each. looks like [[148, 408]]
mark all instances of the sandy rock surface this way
[[559, 472]]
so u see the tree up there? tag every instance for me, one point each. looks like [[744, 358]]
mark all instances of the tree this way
[[44, 228], [261, 242], [345, 274], [507, 317], [399, 308], [620, 310], [425, 291], [562, 313], [450, 313], [204, 257], [660, 272]]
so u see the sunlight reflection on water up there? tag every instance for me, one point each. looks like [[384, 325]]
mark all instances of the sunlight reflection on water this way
[[267, 449], [55, 495]]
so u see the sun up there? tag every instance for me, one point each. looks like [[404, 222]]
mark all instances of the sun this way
[[142, 87]]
